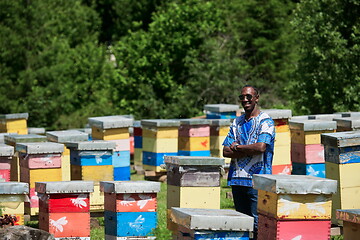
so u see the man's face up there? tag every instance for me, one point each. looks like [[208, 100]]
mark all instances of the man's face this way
[[248, 99]]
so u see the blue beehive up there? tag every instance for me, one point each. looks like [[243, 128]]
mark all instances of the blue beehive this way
[[315, 169]]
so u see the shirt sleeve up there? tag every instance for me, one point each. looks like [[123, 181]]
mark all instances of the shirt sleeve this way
[[267, 132]]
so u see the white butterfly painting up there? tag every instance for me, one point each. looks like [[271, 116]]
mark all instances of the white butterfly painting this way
[[98, 159], [144, 200], [288, 206], [59, 224], [317, 207], [138, 223], [299, 237], [285, 171], [128, 200], [80, 201], [312, 171]]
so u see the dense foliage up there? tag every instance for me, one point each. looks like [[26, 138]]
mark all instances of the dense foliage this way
[[64, 61]]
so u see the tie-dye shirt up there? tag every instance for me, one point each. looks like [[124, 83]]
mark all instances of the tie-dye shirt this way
[[257, 129]]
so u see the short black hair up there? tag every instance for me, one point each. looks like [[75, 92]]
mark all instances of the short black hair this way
[[251, 86]]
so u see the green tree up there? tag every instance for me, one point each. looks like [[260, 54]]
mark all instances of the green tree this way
[[327, 78], [51, 63]]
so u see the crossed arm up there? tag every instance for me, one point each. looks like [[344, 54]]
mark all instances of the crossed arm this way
[[239, 151]]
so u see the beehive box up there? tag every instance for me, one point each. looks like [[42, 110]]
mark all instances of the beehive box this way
[[343, 164], [130, 208], [348, 124], [282, 138], [196, 223], [12, 198], [14, 139], [6, 154], [63, 137], [110, 127], [160, 138], [64, 205], [219, 129], [294, 196], [14, 123], [351, 222], [221, 111]]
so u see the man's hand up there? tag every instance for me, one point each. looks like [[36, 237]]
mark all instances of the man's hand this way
[[238, 151]]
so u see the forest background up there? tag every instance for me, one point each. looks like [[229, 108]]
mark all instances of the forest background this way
[[63, 61]]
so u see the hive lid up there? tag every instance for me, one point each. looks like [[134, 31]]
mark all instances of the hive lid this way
[[294, 184], [278, 113], [39, 147], [23, 138], [137, 124], [14, 188], [129, 187], [348, 122], [66, 136], [220, 122], [349, 114], [160, 123], [194, 161], [14, 116], [38, 130], [312, 125], [328, 117], [195, 121], [108, 122], [65, 187], [341, 139], [221, 107], [92, 145], [6, 150], [348, 215], [302, 117], [212, 219]]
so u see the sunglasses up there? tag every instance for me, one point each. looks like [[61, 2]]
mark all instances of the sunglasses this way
[[247, 96]]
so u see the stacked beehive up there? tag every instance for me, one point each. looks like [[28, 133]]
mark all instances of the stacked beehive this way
[[351, 223], [345, 124], [138, 165], [92, 161], [130, 209], [64, 208], [160, 138], [6, 154], [115, 129], [282, 157], [194, 137], [209, 224], [39, 162], [192, 182], [14, 123], [294, 206], [307, 152], [14, 139], [64, 137], [219, 129], [12, 198], [343, 164], [221, 111]]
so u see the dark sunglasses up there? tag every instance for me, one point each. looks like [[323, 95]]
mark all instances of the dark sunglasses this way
[[247, 96]]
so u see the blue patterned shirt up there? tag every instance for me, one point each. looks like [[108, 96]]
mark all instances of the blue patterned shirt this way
[[257, 129]]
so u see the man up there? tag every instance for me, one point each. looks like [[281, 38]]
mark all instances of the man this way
[[250, 144]]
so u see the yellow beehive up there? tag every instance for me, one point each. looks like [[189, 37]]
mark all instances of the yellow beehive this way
[[40, 175], [110, 134], [96, 199], [282, 155], [161, 132], [160, 145], [193, 197], [294, 206], [194, 143], [282, 128], [18, 126], [10, 207], [65, 165], [282, 139], [308, 137], [92, 173], [347, 173]]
